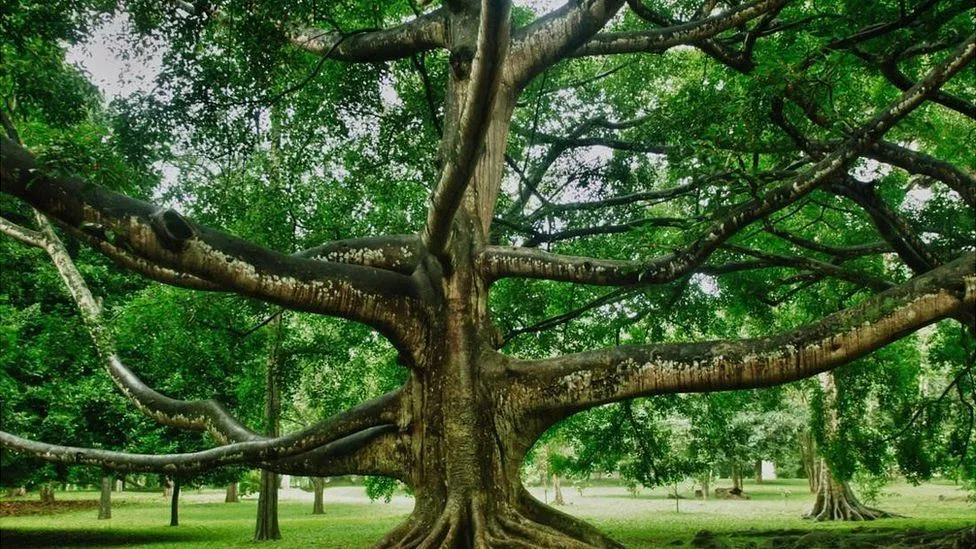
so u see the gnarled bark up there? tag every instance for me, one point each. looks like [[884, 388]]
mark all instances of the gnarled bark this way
[[836, 501]]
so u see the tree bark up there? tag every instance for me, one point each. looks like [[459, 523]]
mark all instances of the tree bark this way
[[757, 469], [47, 493], [808, 456], [557, 492], [266, 527], [231, 495], [318, 487], [736, 477], [174, 504], [105, 502], [835, 499]]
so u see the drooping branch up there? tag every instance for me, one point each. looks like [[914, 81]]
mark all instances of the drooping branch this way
[[464, 145], [164, 238], [662, 39], [376, 415], [206, 415], [505, 262], [569, 383]]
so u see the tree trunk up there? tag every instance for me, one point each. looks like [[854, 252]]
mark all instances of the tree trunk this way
[[174, 504], [47, 493], [757, 469], [557, 492], [231, 495], [318, 486], [467, 441], [119, 485], [167, 488], [836, 501], [736, 477], [705, 483], [105, 502], [267, 522], [808, 457], [266, 527]]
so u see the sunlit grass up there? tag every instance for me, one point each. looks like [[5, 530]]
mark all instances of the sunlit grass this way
[[647, 520]]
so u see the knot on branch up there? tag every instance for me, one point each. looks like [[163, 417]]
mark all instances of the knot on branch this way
[[172, 229], [461, 59]]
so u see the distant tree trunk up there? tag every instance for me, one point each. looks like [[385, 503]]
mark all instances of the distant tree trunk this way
[[835, 499], [705, 481], [557, 492], [167, 487], [119, 485], [736, 477], [231, 496], [808, 456], [318, 486], [677, 503], [105, 502], [174, 504], [757, 469], [47, 493], [267, 522]]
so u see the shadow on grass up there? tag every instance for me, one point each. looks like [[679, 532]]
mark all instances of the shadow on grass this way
[[839, 539], [79, 537]]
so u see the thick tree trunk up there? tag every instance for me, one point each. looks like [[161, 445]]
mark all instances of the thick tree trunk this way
[[47, 493], [757, 469], [836, 501], [105, 502], [318, 487], [231, 495], [174, 504], [557, 492]]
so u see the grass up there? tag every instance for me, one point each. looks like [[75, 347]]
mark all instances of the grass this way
[[770, 519]]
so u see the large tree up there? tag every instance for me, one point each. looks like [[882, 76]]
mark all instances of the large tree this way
[[458, 429]]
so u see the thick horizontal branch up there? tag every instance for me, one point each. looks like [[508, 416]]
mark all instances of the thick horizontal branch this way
[[425, 32], [380, 413], [569, 383], [398, 253], [381, 451], [164, 238], [662, 39], [919, 163], [673, 222], [840, 252]]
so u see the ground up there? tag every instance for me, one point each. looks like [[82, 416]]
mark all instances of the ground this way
[[938, 513]]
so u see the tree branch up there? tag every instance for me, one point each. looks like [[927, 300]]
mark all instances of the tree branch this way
[[499, 262], [549, 39], [372, 416], [659, 40], [565, 384], [166, 239]]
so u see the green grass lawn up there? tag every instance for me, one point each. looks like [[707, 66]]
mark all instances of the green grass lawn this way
[[770, 519]]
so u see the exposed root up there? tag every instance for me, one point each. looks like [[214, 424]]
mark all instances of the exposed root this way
[[836, 501], [482, 525]]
